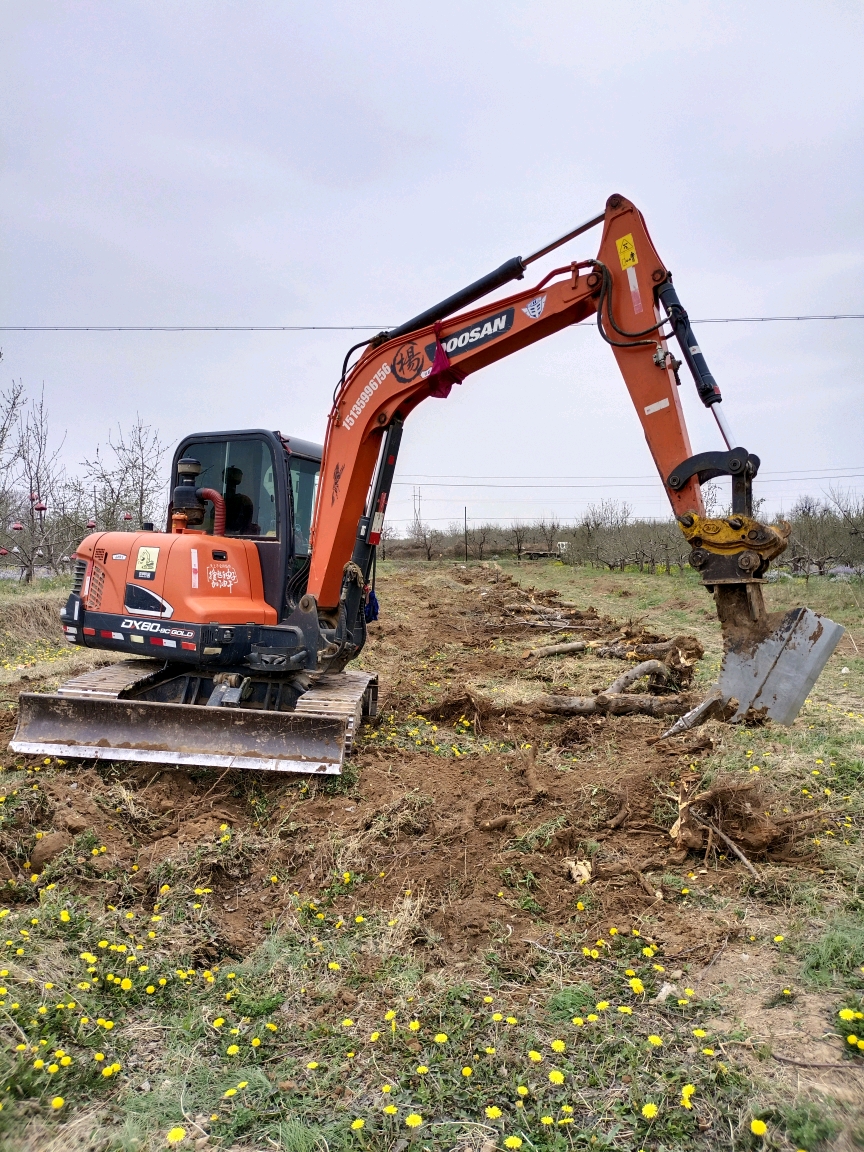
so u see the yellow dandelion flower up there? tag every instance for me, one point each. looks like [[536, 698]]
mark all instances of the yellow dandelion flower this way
[[390, 1109], [414, 1120], [466, 1071], [649, 1111], [603, 1005], [489, 1051], [347, 1022], [375, 1037], [758, 1127], [636, 985], [58, 1102], [232, 1050], [512, 1142], [175, 1135], [547, 1120], [333, 966], [657, 1041], [556, 1077], [558, 1046], [522, 1090], [511, 1020], [256, 1043], [494, 1113], [699, 1033], [358, 1124], [441, 1038], [312, 1065], [414, 1025], [422, 1070], [535, 1057]]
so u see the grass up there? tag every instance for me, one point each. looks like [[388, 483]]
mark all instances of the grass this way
[[333, 1000]]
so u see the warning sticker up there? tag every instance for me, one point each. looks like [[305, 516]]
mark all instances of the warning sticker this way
[[627, 251], [145, 564]]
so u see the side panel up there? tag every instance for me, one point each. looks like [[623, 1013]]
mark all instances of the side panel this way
[[197, 578]]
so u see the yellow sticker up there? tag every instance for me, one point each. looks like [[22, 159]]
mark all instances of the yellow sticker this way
[[627, 251], [145, 564]]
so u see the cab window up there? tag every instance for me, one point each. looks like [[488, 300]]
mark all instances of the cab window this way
[[304, 484], [242, 472]]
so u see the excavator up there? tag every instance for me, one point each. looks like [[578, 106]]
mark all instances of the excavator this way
[[236, 626]]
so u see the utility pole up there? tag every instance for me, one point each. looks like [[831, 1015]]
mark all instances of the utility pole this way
[[466, 533]]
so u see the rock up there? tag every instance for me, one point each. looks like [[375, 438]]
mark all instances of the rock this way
[[74, 822], [48, 848]]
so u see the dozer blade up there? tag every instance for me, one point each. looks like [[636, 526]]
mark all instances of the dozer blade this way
[[111, 729], [772, 660]]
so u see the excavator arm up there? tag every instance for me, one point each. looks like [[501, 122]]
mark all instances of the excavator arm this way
[[393, 376], [772, 660]]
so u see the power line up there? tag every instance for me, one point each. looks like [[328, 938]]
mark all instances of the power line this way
[[550, 487], [196, 328], [429, 476], [359, 327]]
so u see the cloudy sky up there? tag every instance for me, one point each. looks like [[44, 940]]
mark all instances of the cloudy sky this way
[[278, 163]]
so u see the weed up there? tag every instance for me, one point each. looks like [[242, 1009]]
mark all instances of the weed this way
[[837, 953], [539, 837]]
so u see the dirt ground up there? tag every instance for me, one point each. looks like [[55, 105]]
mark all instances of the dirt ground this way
[[464, 797]]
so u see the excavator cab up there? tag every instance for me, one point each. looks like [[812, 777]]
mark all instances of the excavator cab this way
[[268, 483]]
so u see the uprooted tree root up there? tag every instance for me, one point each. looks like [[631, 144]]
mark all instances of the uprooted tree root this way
[[735, 814]]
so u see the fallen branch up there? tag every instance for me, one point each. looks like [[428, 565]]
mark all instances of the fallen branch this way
[[557, 649], [621, 705], [732, 845], [646, 668]]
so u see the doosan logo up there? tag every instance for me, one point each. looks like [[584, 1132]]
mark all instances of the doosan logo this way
[[466, 338]]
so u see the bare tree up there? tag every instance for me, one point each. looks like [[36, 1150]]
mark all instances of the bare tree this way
[[126, 478], [518, 536], [550, 530], [477, 539], [424, 537], [36, 535], [388, 534], [11, 403]]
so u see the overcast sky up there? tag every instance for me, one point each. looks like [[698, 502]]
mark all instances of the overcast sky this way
[[269, 163]]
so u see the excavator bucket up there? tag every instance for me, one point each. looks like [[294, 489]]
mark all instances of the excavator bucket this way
[[772, 660], [96, 717]]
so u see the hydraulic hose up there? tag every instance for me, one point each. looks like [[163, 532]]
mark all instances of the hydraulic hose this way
[[218, 503]]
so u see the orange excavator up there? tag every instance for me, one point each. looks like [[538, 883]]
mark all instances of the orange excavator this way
[[237, 624]]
